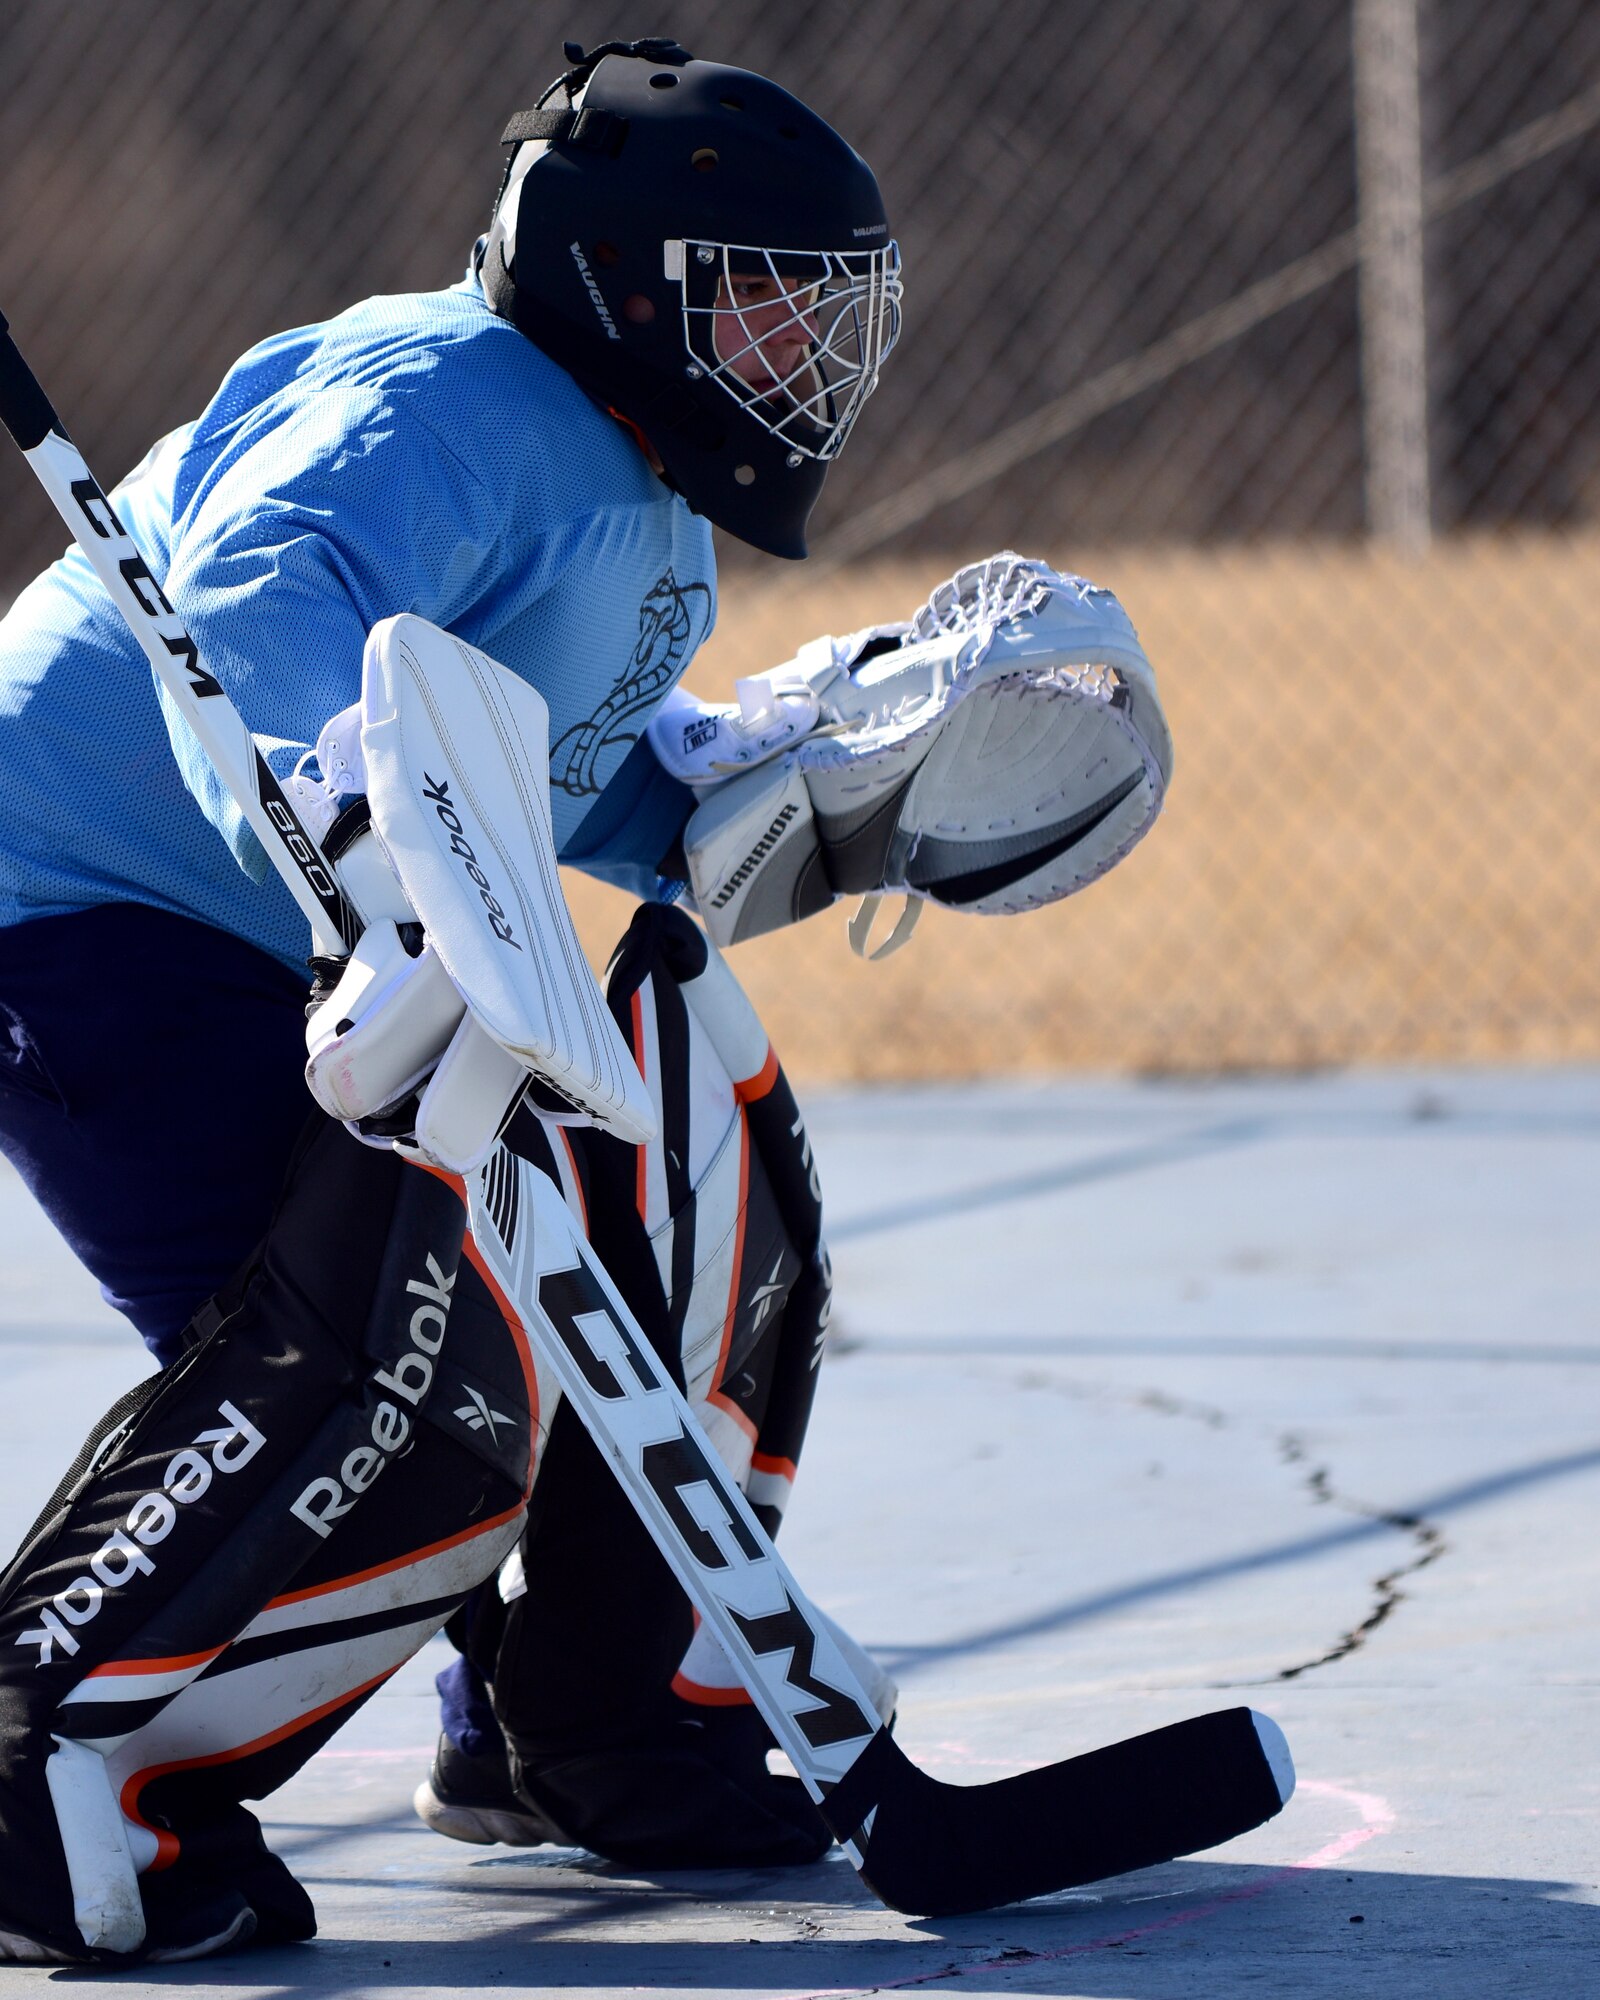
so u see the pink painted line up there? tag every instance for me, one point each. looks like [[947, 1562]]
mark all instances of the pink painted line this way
[[1377, 1817]]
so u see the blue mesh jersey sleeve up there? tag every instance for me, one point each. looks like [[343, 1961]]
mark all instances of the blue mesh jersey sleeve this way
[[414, 454]]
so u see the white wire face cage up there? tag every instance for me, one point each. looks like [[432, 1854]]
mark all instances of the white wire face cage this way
[[796, 338]]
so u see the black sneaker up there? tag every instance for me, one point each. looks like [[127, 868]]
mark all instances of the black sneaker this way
[[471, 1798], [690, 1790]]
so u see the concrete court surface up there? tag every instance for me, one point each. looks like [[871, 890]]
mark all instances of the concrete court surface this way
[[1144, 1398]]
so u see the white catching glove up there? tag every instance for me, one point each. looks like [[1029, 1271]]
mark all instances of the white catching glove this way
[[1001, 749]]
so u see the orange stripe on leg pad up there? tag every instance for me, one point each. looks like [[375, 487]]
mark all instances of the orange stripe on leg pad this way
[[757, 1086], [167, 1842], [177, 1665], [387, 1568], [704, 1697]]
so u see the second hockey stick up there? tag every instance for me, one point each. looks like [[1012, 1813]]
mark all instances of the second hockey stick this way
[[924, 1847]]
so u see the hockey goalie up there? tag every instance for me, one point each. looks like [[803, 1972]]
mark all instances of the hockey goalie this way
[[511, 1326]]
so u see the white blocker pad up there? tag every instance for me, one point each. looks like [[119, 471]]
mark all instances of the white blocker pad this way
[[457, 758], [1002, 750]]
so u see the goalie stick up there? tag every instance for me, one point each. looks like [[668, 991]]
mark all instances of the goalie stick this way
[[924, 1847]]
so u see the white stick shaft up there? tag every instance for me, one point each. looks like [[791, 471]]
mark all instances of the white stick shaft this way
[[121, 567], [797, 1675]]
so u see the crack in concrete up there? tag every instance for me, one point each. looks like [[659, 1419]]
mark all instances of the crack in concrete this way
[[1428, 1544], [1426, 1537]]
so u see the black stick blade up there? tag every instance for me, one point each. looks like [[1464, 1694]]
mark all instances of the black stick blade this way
[[935, 1850]]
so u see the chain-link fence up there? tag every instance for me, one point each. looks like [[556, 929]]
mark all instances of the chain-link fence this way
[[1275, 315]]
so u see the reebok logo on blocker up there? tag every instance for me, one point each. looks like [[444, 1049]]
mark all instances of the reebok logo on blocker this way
[[125, 1552], [437, 790]]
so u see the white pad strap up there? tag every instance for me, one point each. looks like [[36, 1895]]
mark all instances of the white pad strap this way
[[866, 915], [457, 765], [700, 743]]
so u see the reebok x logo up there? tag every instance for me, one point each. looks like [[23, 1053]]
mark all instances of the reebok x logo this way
[[764, 1296], [437, 791], [125, 1552], [476, 1414], [329, 1499], [753, 860]]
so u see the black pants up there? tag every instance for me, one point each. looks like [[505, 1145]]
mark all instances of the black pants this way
[[150, 1093]]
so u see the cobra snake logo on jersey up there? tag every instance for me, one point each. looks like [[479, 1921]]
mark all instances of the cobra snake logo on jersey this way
[[672, 621]]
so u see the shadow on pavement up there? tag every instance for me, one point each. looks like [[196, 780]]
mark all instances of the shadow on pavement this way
[[1193, 1927]]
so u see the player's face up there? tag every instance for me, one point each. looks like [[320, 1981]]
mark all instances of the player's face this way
[[764, 328]]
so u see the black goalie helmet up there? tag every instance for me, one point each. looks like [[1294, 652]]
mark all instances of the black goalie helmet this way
[[708, 259]]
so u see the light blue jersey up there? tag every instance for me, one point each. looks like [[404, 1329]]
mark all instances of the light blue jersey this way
[[413, 454]]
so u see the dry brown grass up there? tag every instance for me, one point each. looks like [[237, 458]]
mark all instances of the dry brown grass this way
[[1382, 842]]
